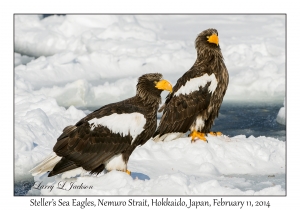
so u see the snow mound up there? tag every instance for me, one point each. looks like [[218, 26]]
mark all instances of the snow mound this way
[[180, 167], [22, 59], [221, 155], [119, 183], [106, 48], [281, 115], [38, 122]]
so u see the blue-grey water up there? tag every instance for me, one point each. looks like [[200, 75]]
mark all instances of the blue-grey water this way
[[234, 119], [257, 119]]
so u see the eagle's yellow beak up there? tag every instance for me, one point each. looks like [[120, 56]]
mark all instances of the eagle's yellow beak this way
[[164, 85], [213, 39]]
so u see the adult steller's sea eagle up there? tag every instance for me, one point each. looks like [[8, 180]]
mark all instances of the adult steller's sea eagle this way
[[106, 138], [197, 96]]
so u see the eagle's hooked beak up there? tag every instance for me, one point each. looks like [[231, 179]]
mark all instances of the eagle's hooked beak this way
[[213, 39], [164, 85]]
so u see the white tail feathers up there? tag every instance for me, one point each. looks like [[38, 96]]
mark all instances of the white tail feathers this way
[[46, 165], [168, 137]]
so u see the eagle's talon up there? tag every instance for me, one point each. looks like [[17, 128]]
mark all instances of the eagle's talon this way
[[197, 135], [128, 172], [218, 133]]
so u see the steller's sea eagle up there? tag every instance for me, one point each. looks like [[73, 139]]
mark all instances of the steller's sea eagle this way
[[197, 96], [106, 138]]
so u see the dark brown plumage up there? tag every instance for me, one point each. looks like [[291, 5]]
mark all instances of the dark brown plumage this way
[[107, 137], [197, 96]]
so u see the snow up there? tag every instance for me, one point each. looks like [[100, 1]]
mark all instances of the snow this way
[[63, 63], [77, 54], [119, 183], [22, 59], [38, 123], [281, 115], [223, 166]]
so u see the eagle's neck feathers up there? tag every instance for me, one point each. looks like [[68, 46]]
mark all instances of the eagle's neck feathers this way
[[149, 99], [206, 53]]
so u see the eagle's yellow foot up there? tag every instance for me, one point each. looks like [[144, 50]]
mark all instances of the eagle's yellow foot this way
[[215, 133], [197, 135], [128, 172]]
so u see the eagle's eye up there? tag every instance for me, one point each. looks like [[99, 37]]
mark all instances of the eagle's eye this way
[[155, 82]]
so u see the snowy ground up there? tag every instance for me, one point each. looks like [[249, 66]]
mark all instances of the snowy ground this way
[[281, 115], [224, 166], [63, 63]]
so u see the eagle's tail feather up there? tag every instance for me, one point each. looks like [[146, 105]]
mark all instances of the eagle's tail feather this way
[[46, 165]]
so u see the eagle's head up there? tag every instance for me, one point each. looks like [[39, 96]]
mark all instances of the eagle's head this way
[[150, 86], [207, 39]]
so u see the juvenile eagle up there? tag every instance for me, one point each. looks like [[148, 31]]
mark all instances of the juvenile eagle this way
[[106, 138], [197, 96]]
